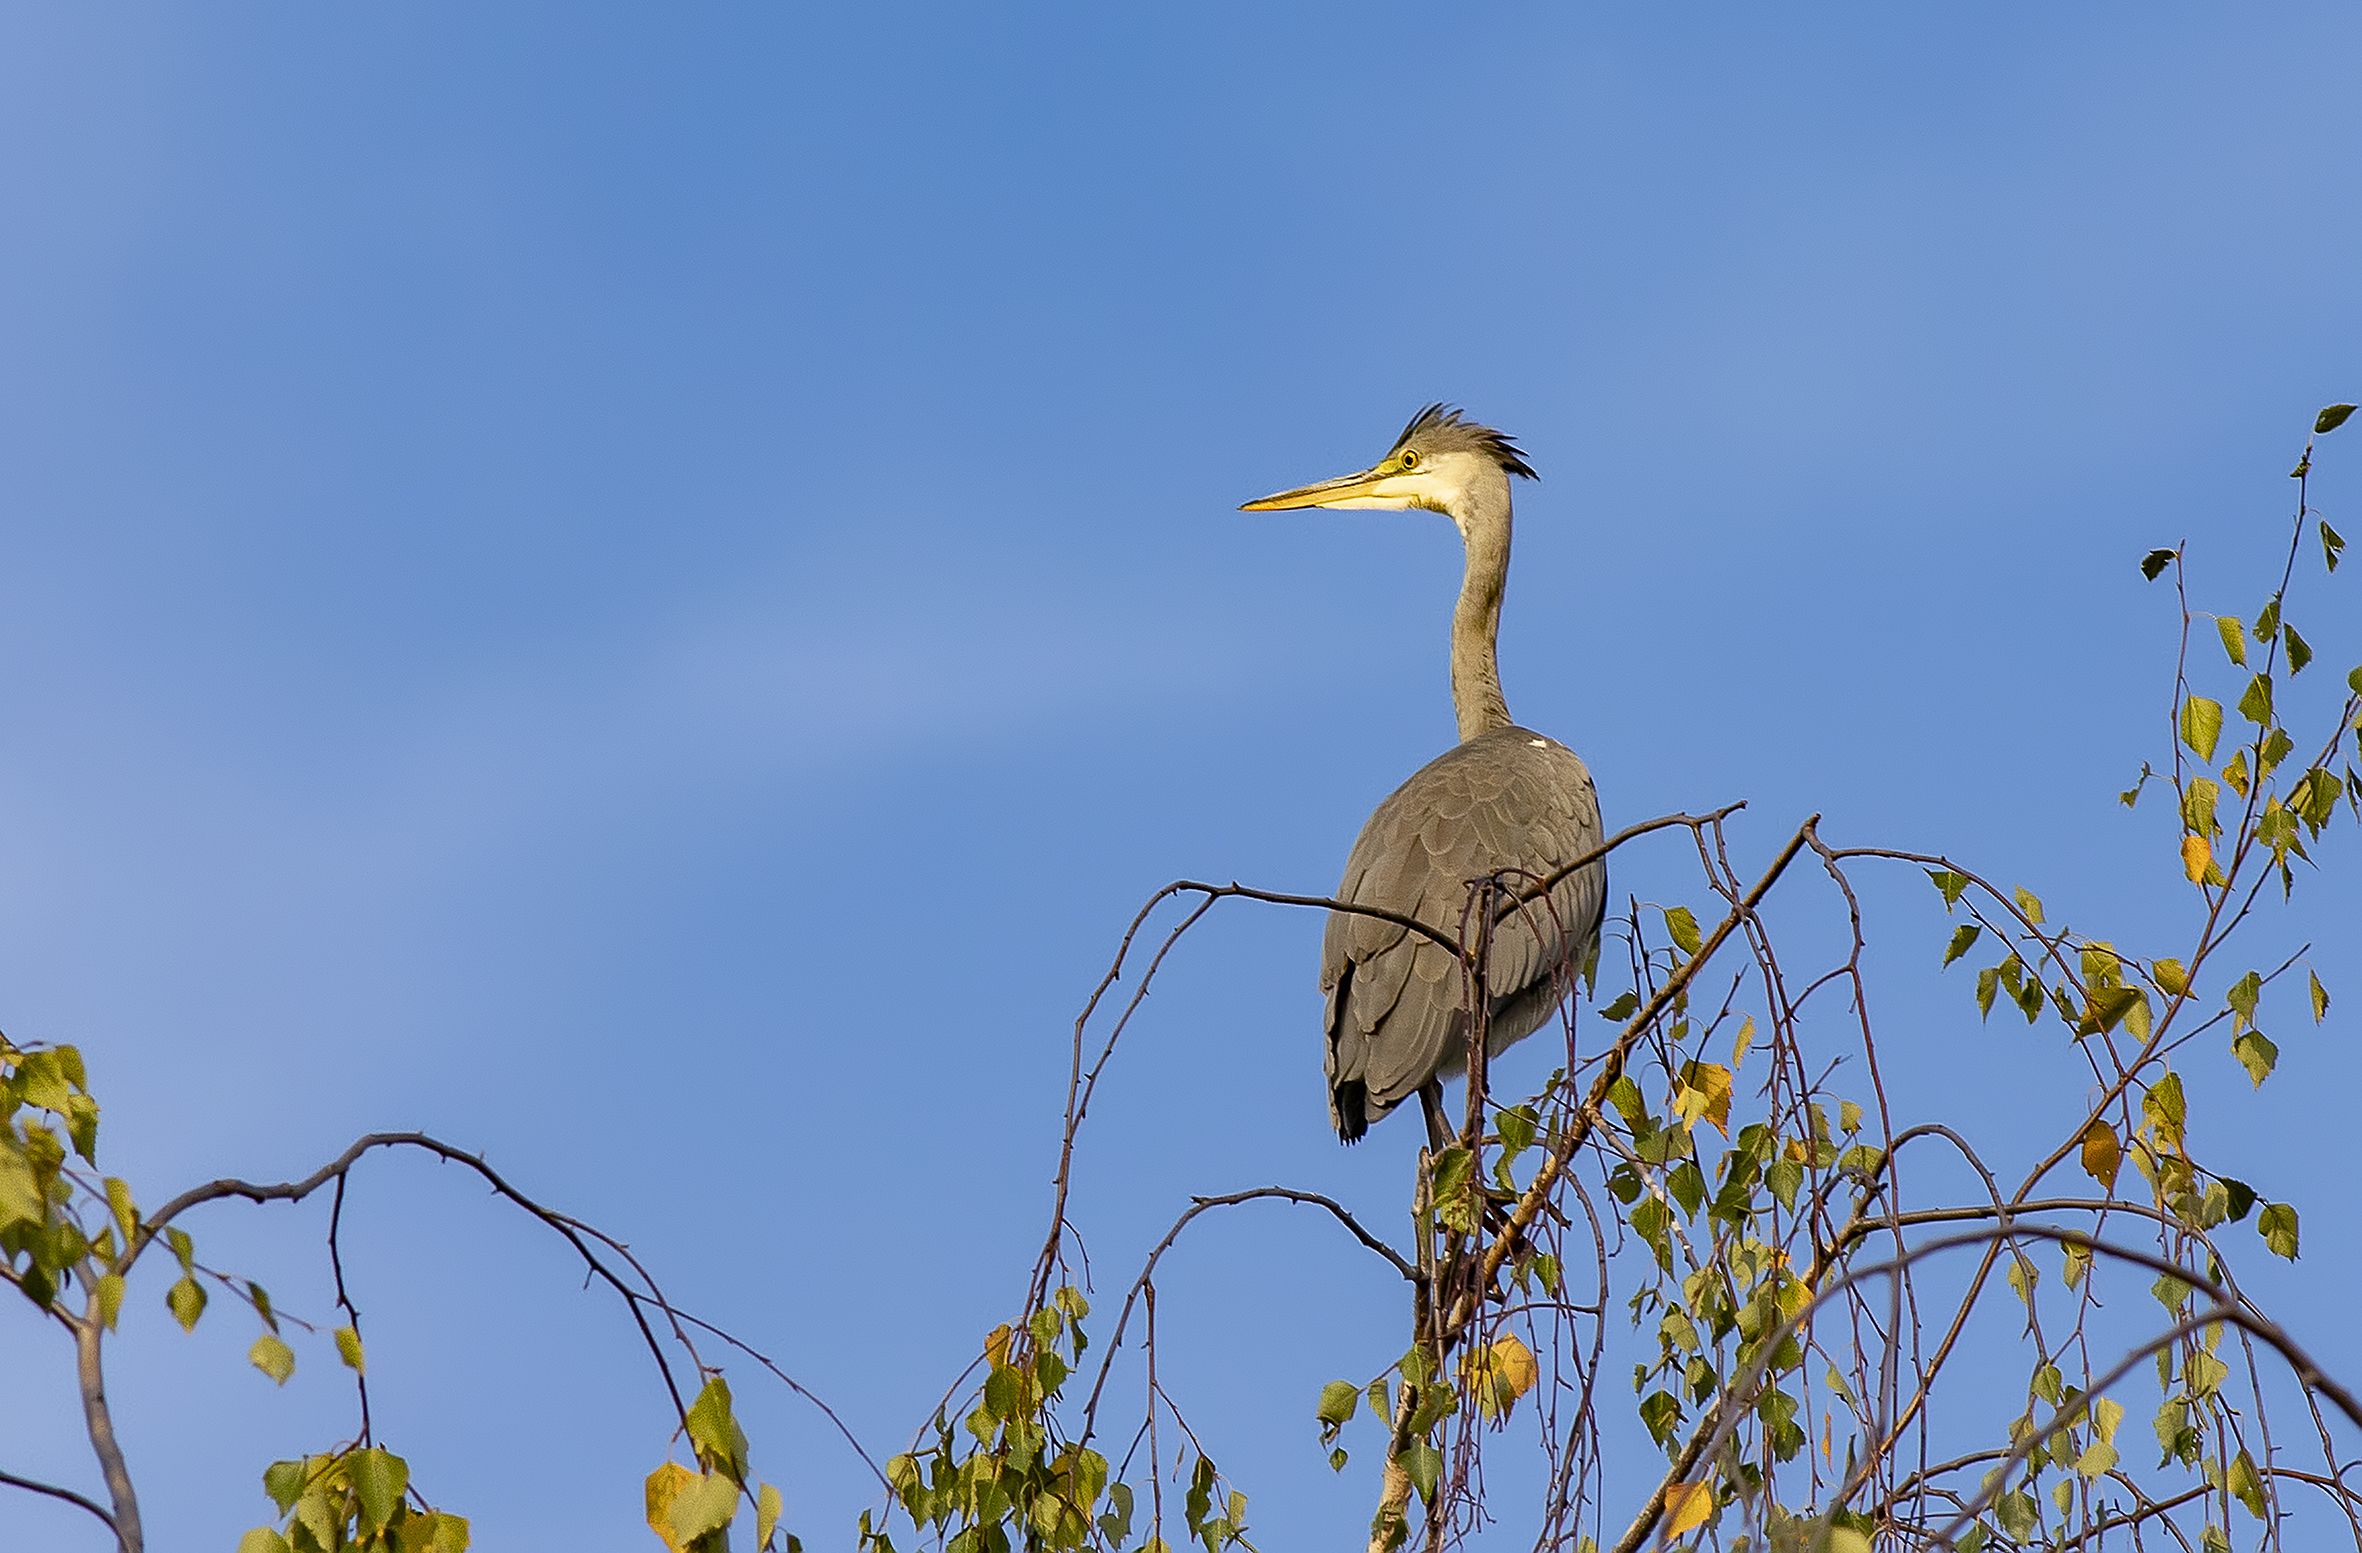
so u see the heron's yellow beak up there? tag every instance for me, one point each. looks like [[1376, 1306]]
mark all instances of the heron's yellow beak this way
[[1386, 487]]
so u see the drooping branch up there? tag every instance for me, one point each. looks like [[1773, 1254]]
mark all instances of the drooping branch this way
[[1145, 1282], [574, 1233], [10, 1479]]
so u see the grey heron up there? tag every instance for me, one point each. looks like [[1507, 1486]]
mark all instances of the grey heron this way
[[1505, 801]]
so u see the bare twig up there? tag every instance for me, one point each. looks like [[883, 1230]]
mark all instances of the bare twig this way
[[36, 1486]]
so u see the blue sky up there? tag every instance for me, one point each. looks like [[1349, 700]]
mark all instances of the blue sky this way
[[648, 591]]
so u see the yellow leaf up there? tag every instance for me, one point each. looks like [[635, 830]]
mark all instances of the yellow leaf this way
[[666, 1484], [1704, 1095], [2102, 1153], [2197, 857], [2171, 978], [996, 1346], [1686, 1507], [1513, 1362]]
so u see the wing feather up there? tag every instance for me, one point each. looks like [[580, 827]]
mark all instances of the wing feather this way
[[1510, 802]]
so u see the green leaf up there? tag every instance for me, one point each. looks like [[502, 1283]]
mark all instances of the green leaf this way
[[1962, 938], [1624, 1007], [2300, 652], [714, 1431], [1337, 1401], [2329, 420], [2018, 1514], [2030, 904], [348, 1348], [2257, 1055], [2243, 995], [1684, 928], [1651, 1220], [2154, 563], [2320, 996], [1517, 1127], [768, 1506], [378, 1477], [1661, 1412], [1951, 882], [2331, 543], [2205, 1374], [110, 1299], [2202, 725], [186, 1301], [2244, 1485], [126, 1216], [263, 1540], [2023, 1276], [704, 1507], [2256, 703], [285, 1481], [1425, 1465], [2165, 1109], [1455, 1192], [271, 1355], [2234, 634], [1687, 1183], [2278, 1227], [2109, 1005]]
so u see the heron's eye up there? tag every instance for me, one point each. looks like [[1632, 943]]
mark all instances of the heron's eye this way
[[1410, 460]]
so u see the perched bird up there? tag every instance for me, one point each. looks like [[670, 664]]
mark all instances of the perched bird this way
[[1504, 802]]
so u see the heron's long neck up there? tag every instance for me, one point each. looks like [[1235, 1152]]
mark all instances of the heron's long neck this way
[[1476, 621]]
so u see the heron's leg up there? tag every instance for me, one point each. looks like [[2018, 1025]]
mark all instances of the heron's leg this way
[[1439, 1131]]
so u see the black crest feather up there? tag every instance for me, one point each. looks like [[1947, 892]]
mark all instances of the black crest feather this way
[[1442, 427]]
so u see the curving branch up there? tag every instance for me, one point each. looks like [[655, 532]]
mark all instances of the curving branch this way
[[594, 1246], [10, 1479], [1144, 1286], [334, 1171]]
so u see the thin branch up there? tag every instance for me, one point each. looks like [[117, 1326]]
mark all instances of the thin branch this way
[[344, 1300], [334, 1170], [9, 1479], [1579, 1126], [1143, 1287]]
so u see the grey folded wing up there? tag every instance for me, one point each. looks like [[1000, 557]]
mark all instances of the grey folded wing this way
[[1508, 803]]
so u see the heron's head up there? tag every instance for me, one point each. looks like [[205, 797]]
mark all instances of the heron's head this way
[[1443, 462]]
